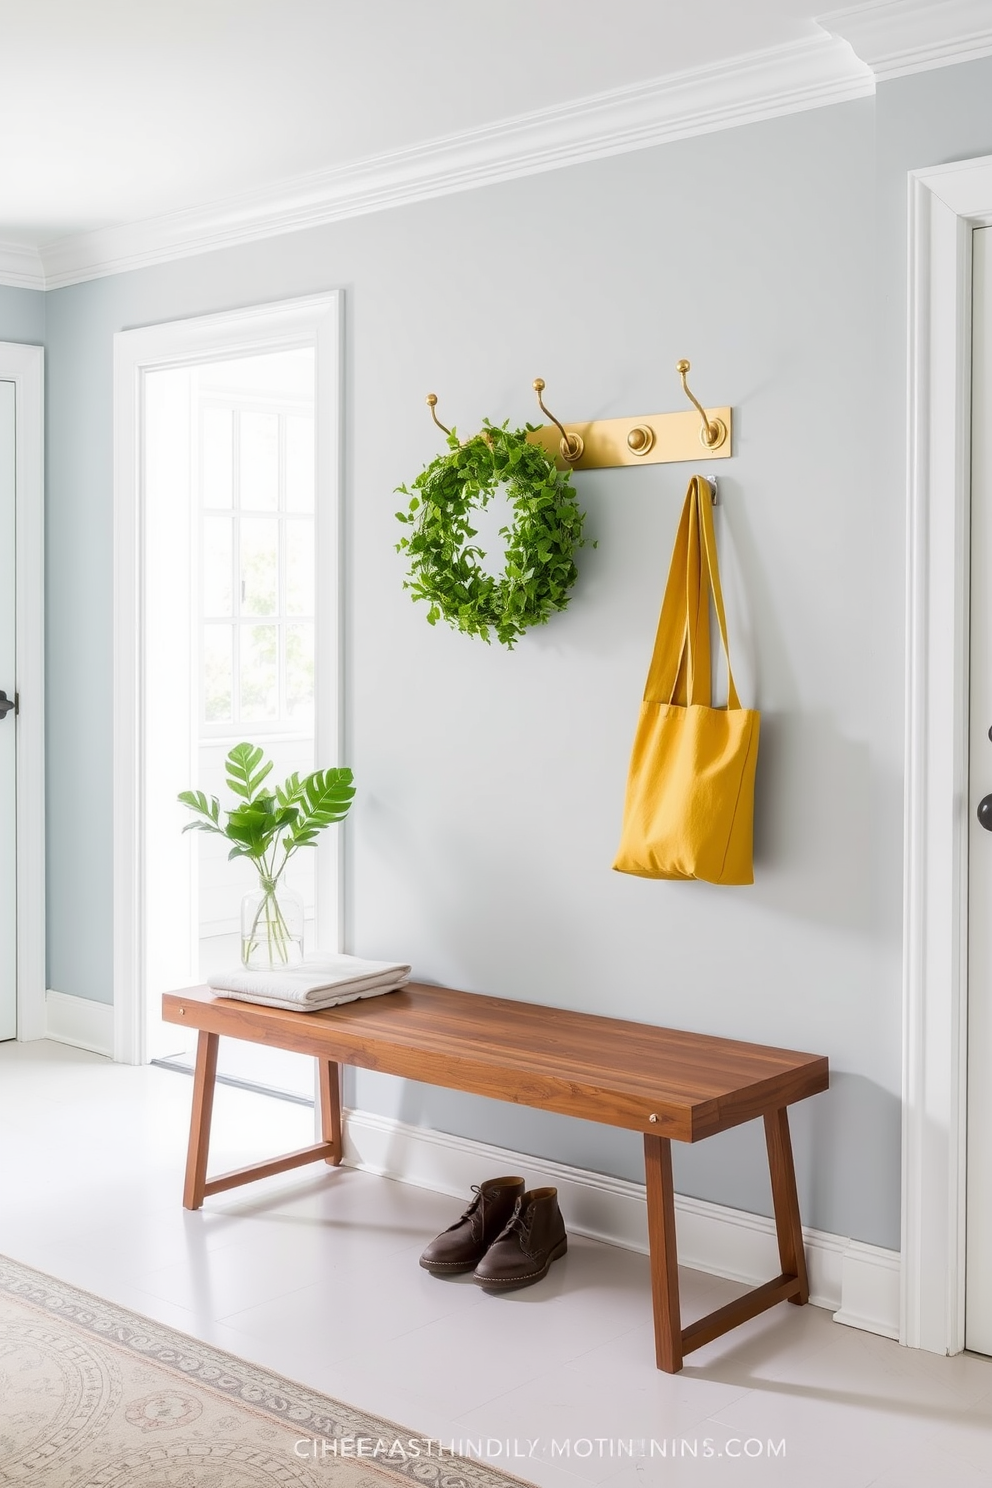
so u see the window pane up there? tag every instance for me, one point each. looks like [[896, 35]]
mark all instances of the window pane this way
[[259, 673], [217, 565], [259, 476], [217, 673], [299, 463], [217, 456], [299, 567], [259, 565], [299, 672]]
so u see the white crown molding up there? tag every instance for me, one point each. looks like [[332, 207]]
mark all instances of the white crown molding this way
[[895, 37], [856, 46], [762, 85], [21, 267]]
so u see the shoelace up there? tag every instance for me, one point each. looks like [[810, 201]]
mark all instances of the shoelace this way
[[473, 1214], [518, 1221]]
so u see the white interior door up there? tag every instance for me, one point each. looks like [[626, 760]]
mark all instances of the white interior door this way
[[978, 1297], [8, 801]]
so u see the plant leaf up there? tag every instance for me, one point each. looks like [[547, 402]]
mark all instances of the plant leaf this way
[[243, 775], [291, 790], [327, 797], [253, 825], [207, 806], [445, 568]]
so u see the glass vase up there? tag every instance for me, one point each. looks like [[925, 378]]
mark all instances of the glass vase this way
[[271, 927]]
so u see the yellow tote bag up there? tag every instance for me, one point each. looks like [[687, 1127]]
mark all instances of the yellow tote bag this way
[[689, 809]]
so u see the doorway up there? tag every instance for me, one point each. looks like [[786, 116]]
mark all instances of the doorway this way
[[8, 765], [228, 475], [978, 1278], [229, 428], [22, 681]]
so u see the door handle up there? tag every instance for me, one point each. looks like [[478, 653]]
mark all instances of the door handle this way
[[6, 705], [985, 806]]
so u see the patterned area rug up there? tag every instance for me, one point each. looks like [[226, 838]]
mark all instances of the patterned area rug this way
[[94, 1396]]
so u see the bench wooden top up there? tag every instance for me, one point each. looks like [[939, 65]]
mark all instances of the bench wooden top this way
[[660, 1081]]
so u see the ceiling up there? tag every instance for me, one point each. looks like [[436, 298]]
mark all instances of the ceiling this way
[[115, 111]]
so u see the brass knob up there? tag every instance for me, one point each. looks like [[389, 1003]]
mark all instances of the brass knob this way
[[640, 439]]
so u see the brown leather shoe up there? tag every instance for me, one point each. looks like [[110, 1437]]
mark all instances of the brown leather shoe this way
[[533, 1238], [463, 1244]]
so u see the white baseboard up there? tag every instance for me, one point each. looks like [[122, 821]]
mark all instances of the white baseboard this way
[[870, 1289], [81, 1022], [859, 1283]]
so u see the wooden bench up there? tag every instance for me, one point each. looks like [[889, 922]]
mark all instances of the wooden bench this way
[[661, 1082]]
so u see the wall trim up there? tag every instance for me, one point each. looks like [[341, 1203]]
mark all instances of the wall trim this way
[[81, 1022], [945, 205], [859, 1283], [870, 1282], [760, 85], [855, 47], [21, 267], [896, 37], [25, 367]]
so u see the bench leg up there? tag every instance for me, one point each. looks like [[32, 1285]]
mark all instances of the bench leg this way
[[198, 1186], [664, 1257], [786, 1201], [199, 1126], [672, 1341], [330, 1109]]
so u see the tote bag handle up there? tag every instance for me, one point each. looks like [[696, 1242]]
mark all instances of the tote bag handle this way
[[680, 664]]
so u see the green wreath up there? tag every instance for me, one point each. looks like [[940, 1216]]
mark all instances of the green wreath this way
[[539, 566]]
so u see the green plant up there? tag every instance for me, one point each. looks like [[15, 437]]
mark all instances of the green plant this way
[[445, 565], [268, 827]]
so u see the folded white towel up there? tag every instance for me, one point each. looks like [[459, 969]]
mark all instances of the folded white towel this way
[[318, 982], [331, 1000]]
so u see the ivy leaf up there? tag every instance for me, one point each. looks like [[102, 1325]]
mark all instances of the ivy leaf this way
[[445, 566]]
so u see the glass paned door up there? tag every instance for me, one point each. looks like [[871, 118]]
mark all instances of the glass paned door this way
[[230, 483]]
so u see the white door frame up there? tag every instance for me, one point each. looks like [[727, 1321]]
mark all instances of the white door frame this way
[[25, 367], [946, 205], [314, 320]]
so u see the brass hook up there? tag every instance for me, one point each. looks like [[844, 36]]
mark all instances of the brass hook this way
[[712, 434], [571, 444], [432, 404]]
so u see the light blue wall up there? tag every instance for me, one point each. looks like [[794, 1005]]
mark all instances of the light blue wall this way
[[22, 315], [490, 784]]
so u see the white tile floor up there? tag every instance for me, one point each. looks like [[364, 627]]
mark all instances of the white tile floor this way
[[315, 1275]]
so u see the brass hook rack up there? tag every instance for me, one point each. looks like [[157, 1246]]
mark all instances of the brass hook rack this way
[[431, 401], [655, 439], [572, 445]]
